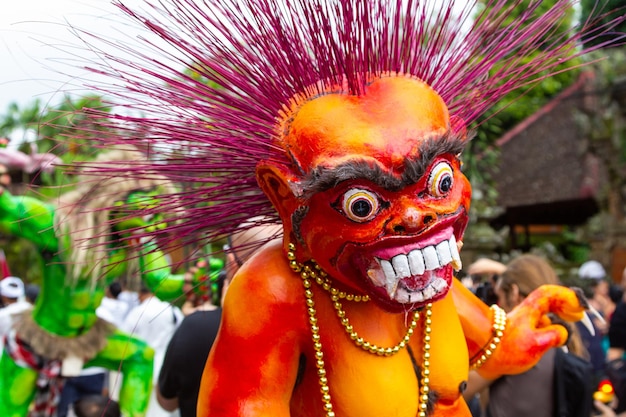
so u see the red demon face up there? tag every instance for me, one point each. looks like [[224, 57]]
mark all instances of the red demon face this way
[[382, 202]]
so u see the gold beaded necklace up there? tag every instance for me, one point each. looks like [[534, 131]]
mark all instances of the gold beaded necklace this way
[[312, 272]]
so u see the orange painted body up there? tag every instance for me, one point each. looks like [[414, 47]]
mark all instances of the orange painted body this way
[[376, 197], [253, 367]]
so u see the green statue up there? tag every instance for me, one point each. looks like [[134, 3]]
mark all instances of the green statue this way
[[86, 241]]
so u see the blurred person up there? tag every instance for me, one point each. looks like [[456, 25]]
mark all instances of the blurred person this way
[[111, 302], [11, 290], [616, 364], [153, 321], [91, 381], [31, 292], [193, 300], [485, 272], [605, 410], [534, 392], [95, 406], [179, 379], [128, 296], [5, 177], [597, 290], [596, 286], [15, 302]]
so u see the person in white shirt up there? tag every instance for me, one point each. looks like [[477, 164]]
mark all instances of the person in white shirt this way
[[116, 307], [14, 301], [154, 321]]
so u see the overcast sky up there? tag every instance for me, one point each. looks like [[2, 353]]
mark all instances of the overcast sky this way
[[35, 38], [31, 33]]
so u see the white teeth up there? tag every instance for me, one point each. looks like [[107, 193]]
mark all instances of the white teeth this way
[[443, 253], [416, 262], [430, 258], [387, 268], [439, 284], [454, 252], [429, 292], [400, 265]]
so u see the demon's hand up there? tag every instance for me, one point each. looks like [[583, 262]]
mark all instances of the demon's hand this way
[[530, 332], [137, 215]]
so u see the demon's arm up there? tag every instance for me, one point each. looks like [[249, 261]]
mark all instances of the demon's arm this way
[[529, 332], [134, 359], [28, 218], [261, 324], [157, 273]]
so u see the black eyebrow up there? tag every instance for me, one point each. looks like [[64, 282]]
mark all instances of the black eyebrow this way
[[324, 178]]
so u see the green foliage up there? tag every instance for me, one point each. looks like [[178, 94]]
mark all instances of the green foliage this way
[[23, 258], [59, 130], [481, 157], [603, 12]]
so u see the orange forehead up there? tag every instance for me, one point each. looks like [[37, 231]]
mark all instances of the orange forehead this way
[[388, 122]]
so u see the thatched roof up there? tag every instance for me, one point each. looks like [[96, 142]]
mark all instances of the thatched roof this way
[[546, 175]]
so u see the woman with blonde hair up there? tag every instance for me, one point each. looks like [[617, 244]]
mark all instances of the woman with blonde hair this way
[[532, 392]]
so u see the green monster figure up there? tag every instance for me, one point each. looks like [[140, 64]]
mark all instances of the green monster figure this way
[[84, 247]]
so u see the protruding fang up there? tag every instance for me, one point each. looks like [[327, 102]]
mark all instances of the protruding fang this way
[[377, 277], [401, 266], [391, 286], [416, 262], [387, 269], [454, 252], [430, 258]]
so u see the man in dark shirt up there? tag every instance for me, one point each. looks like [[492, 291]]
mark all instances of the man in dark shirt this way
[[186, 354], [616, 365], [179, 379]]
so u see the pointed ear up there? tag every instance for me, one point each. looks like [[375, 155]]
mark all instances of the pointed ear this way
[[281, 187]]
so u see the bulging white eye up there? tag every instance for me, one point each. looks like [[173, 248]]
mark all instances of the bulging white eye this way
[[360, 205], [440, 180]]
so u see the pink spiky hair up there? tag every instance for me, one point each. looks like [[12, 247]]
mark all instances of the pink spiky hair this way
[[259, 54]]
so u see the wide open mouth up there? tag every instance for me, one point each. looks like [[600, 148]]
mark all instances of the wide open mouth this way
[[416, 273]]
